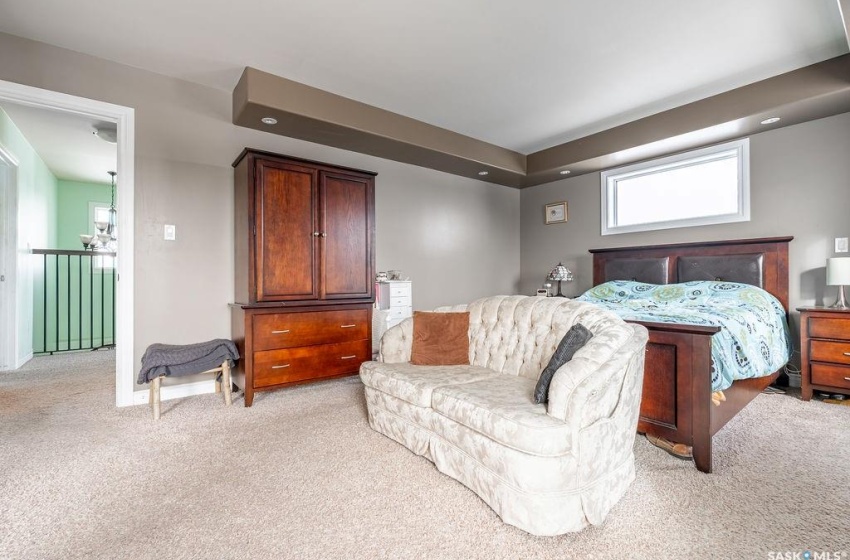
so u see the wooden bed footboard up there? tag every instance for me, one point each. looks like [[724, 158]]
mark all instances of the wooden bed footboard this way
[[677, 387], [676, 402]]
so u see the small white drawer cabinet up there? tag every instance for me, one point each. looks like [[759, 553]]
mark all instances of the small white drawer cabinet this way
[[396, 296]]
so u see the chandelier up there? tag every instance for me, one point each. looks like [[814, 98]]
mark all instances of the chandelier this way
[[106, 238]]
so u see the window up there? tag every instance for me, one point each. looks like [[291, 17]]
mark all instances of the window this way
[[697, 188], [101, 214]]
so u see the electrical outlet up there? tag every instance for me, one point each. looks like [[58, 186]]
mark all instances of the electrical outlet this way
[[170, 232], [840, 244]]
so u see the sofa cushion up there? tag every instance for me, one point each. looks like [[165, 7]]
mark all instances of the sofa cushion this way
[[440, 339], [503, 408], [575, 338], [415, 384]]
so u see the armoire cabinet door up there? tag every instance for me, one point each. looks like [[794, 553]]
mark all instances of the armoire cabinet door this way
[[347, 216], [287, 232]]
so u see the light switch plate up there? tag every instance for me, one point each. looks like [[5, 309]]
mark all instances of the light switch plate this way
[[840, 244], [170, 232]]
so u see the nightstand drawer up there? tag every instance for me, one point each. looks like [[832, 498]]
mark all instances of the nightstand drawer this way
[[400, 301], [825, 327], [825, 351], [831, 376], [400, 312], [400, 290]]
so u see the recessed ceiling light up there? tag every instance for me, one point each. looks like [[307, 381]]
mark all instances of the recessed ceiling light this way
[[565, 172], [482, 173], [269, 120], [771, 120]]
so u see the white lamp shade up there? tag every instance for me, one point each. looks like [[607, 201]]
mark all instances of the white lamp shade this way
[[838, 271]]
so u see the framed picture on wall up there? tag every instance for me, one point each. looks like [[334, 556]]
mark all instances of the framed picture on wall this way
[[556, 213]]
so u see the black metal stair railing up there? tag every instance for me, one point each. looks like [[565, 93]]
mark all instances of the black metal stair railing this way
[[74, 300]]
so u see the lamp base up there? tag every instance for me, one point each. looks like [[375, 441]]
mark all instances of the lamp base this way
[[840, 304], [559, 294]]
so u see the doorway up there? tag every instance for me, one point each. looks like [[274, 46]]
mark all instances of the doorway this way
[[8, 214], [123, 119]]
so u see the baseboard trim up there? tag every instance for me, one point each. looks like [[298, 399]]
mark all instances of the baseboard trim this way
[[168, 392], [23, 360]]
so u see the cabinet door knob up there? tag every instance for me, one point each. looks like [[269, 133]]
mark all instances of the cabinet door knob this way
[[324, 234], [347, 326], [316, 234], [280, 366], [347, 357], [280, 332]]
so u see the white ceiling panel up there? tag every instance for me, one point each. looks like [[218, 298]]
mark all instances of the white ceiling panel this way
[[522, 75], [65, 143]]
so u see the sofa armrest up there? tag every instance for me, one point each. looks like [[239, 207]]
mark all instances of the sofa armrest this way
[[589, 387], [397, 343]]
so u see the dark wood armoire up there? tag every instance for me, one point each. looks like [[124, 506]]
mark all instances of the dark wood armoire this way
[[304, 262]]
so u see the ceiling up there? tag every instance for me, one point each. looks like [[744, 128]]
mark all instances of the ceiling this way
[[65, 142], [523, 76]]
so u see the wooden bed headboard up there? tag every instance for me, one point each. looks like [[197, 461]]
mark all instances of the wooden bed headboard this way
[[760, 262]]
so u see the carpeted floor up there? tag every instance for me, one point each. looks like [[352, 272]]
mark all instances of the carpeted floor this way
[[301, 475]]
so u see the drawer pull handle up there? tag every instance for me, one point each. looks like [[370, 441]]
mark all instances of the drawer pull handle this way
[[347, 357], [847, 353], [847, 379], [280, 367], [347, 326], [280, 332]]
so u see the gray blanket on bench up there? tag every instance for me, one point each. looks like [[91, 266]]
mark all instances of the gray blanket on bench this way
[[186, 359]]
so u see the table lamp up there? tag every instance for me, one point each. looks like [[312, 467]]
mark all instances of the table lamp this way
[[838, 274], [561, 274]]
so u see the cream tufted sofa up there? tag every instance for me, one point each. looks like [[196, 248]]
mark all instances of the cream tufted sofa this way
[[545, 469]]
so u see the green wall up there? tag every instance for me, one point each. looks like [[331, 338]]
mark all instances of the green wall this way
[[73, 216]]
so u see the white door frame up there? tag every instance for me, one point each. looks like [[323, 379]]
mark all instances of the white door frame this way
[[124, 117], [8, 252]]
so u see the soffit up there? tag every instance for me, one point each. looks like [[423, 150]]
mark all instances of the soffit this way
[[813, 92]]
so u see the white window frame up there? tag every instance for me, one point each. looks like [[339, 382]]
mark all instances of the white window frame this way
[[741, 150]]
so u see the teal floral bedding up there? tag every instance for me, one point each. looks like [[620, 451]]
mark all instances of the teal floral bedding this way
[[753, 341]]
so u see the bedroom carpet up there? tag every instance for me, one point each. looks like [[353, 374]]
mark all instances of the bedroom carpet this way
[[301, 475]]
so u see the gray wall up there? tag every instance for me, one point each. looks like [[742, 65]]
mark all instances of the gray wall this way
[[800, 186], [457, 238]]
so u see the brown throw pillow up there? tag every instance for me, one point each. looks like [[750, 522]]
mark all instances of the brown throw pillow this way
[[440, 339]]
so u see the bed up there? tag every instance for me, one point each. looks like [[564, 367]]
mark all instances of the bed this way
[[677, 392]]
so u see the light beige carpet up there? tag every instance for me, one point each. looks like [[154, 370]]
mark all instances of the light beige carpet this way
[[301, 475]]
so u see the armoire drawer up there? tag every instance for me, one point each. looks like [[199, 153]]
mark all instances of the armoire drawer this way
[[274, 367], [289, 330]]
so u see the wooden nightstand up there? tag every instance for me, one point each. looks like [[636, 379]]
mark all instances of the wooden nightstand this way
[[825, 350]]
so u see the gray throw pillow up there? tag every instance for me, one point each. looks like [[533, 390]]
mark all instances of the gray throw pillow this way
[[575, 338]]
